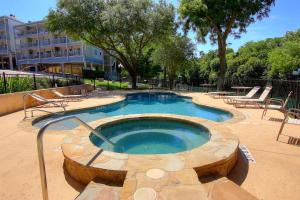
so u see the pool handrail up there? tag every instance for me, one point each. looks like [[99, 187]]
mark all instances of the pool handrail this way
[[40, 147]]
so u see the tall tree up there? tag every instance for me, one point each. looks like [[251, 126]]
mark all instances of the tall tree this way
[[172, 54], [221, 18], [121, 28]]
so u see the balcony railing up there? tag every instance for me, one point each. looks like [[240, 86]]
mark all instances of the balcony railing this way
[[28, 56], [28, 33], [27, 45], [55, 54], [3, 50], [56, 41], [45, 42], [2, 26], [2, 37], [43, 32], [60, 40], [75, 53]]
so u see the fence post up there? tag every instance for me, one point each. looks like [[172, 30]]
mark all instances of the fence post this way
[[4, 82], [272, 87], [34, 82], [53, 81]]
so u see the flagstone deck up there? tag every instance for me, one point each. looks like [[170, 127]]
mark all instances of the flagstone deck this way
[[275, 175]]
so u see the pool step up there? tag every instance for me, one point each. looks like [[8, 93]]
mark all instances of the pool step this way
[[163, 185], [98, 191], [225, 189]]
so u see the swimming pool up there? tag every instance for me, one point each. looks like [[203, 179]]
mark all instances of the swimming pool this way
[[140, 103], [151, 136]]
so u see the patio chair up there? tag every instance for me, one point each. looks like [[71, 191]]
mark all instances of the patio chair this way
[[74, 97], [219, 94], [276, 104], [254, 102], [249, 95], [55, 102], [292, 116]]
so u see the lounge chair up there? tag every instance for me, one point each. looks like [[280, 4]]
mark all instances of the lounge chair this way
[[276, 104], [249, 95], [219, 94], [292, 116], [67, 97], [240, 102], [55, 102]]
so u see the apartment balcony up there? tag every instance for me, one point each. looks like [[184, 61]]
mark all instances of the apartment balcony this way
[[43, 32], [2, 26], [3, 50], [3, 37], [26, 34], [62, 40], [27, 45], [53, 57], [45, 43], [57, 41]]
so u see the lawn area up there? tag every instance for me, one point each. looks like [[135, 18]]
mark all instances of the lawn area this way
[[110, 85]]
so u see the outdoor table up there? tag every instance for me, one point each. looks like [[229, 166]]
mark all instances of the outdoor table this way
[[239, 88], [207, 86]]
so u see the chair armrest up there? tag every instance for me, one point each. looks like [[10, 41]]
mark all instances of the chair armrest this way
[[273, 100]]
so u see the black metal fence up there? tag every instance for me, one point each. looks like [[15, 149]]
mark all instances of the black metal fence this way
[[280, 88], [24, 82]]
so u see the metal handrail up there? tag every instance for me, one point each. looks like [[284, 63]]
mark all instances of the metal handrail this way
[[55, 113], [41, 149]]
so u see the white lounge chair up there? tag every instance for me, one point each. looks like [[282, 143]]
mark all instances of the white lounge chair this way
[[241, 102], [276, 104], [292, 116], [219, 94], [74, 97], [42, 101], [249, 95]]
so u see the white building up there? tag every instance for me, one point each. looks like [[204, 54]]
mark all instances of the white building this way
[[7, 41], [38, 49]]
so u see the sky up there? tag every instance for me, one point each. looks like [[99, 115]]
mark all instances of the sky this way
[[284, 16]]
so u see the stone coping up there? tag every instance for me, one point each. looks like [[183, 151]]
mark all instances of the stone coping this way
[[84, 161]]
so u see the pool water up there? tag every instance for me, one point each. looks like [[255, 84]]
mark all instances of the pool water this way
[[140, 103], [151, 136]]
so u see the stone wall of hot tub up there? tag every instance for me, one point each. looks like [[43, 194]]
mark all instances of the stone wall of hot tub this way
[[84, 161]]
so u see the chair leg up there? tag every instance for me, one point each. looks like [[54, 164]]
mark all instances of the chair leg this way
[[264, 112], [281, 127]]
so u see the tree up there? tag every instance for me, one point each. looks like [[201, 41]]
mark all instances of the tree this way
[[121, 28], [147, 69], [284, 60], [172, 54], [220, 19]]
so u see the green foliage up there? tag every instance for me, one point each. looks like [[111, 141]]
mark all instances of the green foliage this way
[[122, 28], [284, 60], [222, 17], [219, 19], [92, 74], [147, 69], [173, 54], [270, 58]]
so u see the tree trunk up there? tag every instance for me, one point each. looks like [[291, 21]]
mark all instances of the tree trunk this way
[[133, 80], [165, 78], [223, 62], [171, 83]]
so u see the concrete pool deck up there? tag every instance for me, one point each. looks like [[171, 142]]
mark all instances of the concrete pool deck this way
[[275, 175]]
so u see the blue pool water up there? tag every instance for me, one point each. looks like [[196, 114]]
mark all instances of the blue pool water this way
[[140, 103], [151, 136]]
